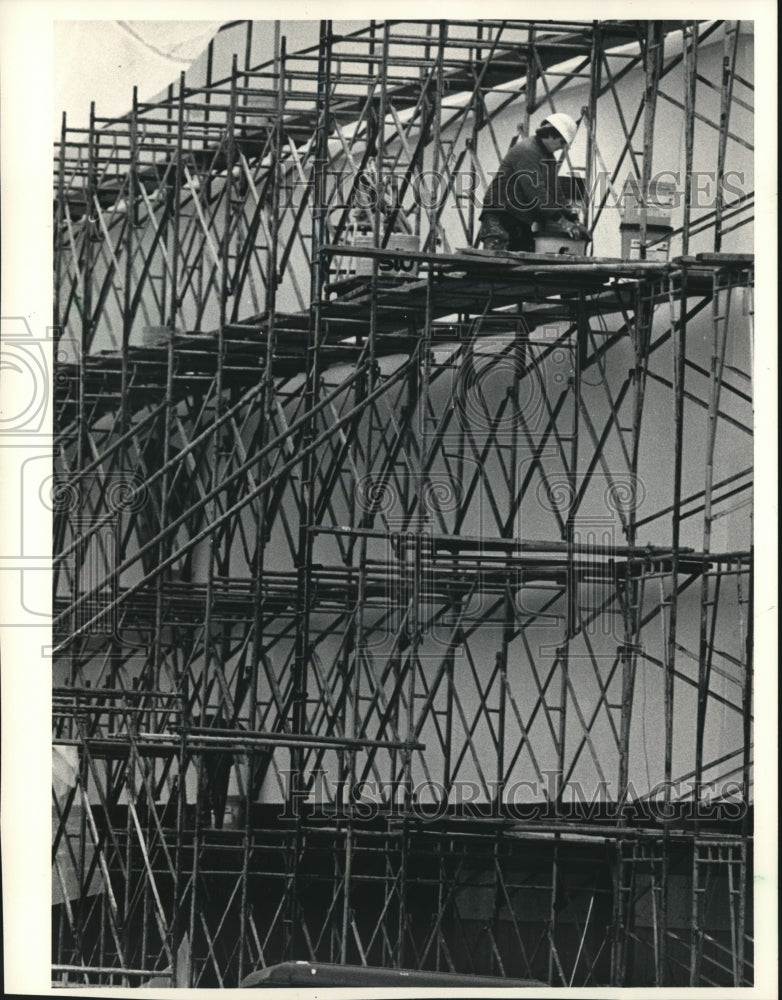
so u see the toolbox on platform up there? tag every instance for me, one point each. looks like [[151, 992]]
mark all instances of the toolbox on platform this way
[[552, 239], [557, 241], [397, 266], [351, 266]]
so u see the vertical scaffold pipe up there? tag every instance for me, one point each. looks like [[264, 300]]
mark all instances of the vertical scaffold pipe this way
[[75, 664], [730, 47], [437, 198], [679, 336], [263, 519], [59, 224], [362, 507], [655, 40], [690, 47], [595, 68], [745, 887], [175, 928], [188, 976], [633, 587], [721, 300], [304, 582], [531, 85]]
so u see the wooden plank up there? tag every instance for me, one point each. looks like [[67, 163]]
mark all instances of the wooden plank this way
[[725, 258]]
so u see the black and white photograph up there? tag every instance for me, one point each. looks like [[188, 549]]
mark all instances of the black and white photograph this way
[[389, 510]]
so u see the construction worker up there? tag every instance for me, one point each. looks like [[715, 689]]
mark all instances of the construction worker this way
[[524, 190]]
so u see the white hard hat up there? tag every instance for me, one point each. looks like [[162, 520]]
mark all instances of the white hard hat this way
[[564, 124]]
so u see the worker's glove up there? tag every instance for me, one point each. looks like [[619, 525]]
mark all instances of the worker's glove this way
[[575, 230]]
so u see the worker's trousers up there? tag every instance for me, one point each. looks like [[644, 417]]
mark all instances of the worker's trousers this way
[[501, 231]]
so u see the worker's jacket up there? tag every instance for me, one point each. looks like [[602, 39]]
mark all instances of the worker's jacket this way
[[525, 185]]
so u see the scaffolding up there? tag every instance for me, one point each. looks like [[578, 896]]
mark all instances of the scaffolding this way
[[372, 565]]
